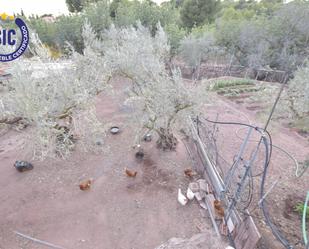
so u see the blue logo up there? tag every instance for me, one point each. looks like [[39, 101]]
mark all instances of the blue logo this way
[[8, 38]]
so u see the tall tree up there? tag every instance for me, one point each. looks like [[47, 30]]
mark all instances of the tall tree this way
[[114, 6], [78, 5], [198, 12], [74, 5]]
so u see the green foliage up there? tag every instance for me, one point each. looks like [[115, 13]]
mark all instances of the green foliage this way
[[74, 5], [101, 14], [289, 29], [175, 34], [298, 93], [229, 32], [147, 12], [114, 7], [128, 13], [264, 34], [263, 7], [222, 83], [46, 30], [278, 42], [196, 13], [78, 5], [197, 49], [69, 30], [300, 209], [125, 14], [98, 15]]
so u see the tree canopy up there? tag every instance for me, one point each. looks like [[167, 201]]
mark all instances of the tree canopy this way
[[197, 12], [78, 5]]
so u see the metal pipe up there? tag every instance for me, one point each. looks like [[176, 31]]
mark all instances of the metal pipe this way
[[215, 179], [213, 220], [248, 166], [242, 149]]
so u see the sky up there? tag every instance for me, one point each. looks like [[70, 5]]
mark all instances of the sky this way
[[39, 7]]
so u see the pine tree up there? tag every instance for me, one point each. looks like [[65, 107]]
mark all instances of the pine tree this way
[[198, 12]]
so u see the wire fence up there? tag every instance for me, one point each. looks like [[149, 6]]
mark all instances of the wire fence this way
[[233, 180]]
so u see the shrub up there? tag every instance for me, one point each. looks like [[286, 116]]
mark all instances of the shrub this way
[[162, 101], [175, 35], [98, 15], [277, 42], [300, 209], [196, 13], [298, 92], [196, 50], [69, 30], [56, 98]]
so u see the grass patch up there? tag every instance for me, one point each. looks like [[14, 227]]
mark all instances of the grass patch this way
[[223, 83], [299, 208], [237, 90]]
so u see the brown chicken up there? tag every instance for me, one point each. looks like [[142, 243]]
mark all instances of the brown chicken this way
[[218, 208], [131, 173], [189, 172], [85, 185]]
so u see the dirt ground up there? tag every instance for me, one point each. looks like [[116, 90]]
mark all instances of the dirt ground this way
[[117, 212], [124, 213], [290, 189]]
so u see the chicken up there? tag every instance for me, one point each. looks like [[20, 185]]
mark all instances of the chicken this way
[[131, 173], [218, 208], [190, 194], [189, 172], [181, 198], [85, 185]]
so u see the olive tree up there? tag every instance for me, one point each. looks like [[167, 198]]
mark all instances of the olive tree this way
[[56, 98], [162, 100], [195, 50]]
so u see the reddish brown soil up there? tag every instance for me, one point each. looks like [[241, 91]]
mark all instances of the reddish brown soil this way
[[117, 212], [290, 189], [121, 212]]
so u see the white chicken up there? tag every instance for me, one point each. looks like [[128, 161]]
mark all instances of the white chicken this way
[[190, 194], [181, 198]]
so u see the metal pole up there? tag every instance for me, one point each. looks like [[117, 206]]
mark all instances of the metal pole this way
[[241, 184], [212, 173], [241, 151], [276, 101]]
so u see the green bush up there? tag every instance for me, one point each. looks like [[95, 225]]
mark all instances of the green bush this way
[[278, 41], [300, 209], [98, 15], [222, 83], [69, 29], [196, 13], [175, 34]]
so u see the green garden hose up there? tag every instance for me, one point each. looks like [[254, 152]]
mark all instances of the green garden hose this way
[[304, 220]]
